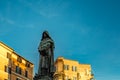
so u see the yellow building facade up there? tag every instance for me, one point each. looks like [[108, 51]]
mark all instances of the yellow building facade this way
[[14, 66], [71, 70]]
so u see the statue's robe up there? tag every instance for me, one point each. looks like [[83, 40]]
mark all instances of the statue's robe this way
[[46, 63]]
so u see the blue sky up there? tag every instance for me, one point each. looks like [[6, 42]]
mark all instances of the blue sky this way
[[83, 30]]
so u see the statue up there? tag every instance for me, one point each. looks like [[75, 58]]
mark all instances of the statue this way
[[46, 62]]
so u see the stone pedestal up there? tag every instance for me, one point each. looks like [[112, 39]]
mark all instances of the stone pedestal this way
[[42, 78], [45, 78]]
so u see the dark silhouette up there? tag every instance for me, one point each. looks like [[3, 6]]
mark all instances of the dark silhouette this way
[[46, 62]]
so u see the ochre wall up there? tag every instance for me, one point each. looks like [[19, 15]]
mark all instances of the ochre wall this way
[[83, 71]]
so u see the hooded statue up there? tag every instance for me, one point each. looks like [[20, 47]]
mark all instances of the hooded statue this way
[[46, 63]]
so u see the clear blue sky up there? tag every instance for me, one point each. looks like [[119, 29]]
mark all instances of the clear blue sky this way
[[83, 30]]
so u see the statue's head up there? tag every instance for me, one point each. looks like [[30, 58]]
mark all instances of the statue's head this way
[[45, 35]]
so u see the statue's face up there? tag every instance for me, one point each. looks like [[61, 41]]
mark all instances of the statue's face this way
[[44, 35]]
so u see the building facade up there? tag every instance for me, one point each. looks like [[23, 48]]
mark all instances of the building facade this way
[[72, 70], [14, 66]]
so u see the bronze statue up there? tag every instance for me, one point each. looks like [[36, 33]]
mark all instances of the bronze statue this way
[[46, 62]]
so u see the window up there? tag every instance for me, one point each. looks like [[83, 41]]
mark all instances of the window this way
[[78, 75], [18, 70], [66, 67], [74, 68], [27, 64], [5, 68], [8, 55], [26, 73], [19, 59], [8, 69]]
